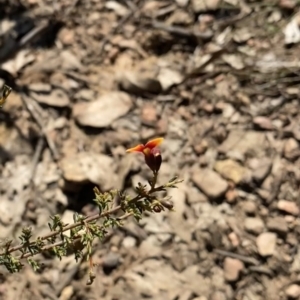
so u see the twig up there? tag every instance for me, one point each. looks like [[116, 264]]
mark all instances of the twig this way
[[182, 32], [71, 226], [68, 227], [36, 157], [87, 219], [261, 270], [11, 46], [113, 31], [31, 109], [246, 259]]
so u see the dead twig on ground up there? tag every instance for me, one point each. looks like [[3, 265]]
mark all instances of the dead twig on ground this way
[[28, 103], [182, 32], [36, 157], [246, 259]]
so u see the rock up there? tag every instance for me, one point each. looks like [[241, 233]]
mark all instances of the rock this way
[[287, 4], [232, 269], [149, 114], [168, 77], [231, 195], [89, 167], [249, 207], [182, 3], [291, 149], [200, 147], [40, 87], [236, 62], [278, 225], [210, 183], [194, 195], [293, 291], [150, 245], [182, 258], [242, 35], [85, 95], [69, 61], [263, 123], [67, 293], [295, 267], [102, 112], [67, 36], [242, 142], [111, 260], [266, 243], [118, 8], [136, 82], [129, 242], [218, 295], [57, 98], [204, 5], [291, 31], [260, 168], [288, 207], [231, 170], [234, 239], [254, 225]]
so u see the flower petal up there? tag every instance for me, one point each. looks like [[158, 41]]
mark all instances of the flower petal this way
[[154, 143], [138, 148]]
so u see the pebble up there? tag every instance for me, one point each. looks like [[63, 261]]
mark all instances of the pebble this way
[[260, 168], [149, 114], [203, 6], [67, 293], [293, 291], [291, 149], [210, 182], [218, 295], [232, 268], [57, 98], [111, 260], [243, 142], [103, 111], [249, 207], [231, 196], [182, 3], [278, 225], [254, 225], [263, 123], [88, 167], [266, 243], [287, 4], [129, 242], [288, 207], [231, 170], [234, 239]]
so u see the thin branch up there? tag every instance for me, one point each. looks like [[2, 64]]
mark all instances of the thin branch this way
[[87, 219], [60, 243]]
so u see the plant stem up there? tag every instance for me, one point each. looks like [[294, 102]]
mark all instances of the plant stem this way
[[60, 243], [87, 219]]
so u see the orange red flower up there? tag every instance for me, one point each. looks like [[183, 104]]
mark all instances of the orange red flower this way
[[151, 153]]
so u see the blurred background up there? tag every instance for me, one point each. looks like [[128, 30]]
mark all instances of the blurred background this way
[[218, 79]]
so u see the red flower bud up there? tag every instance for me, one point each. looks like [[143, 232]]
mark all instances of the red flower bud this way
[[152, 154], [157, 208]]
